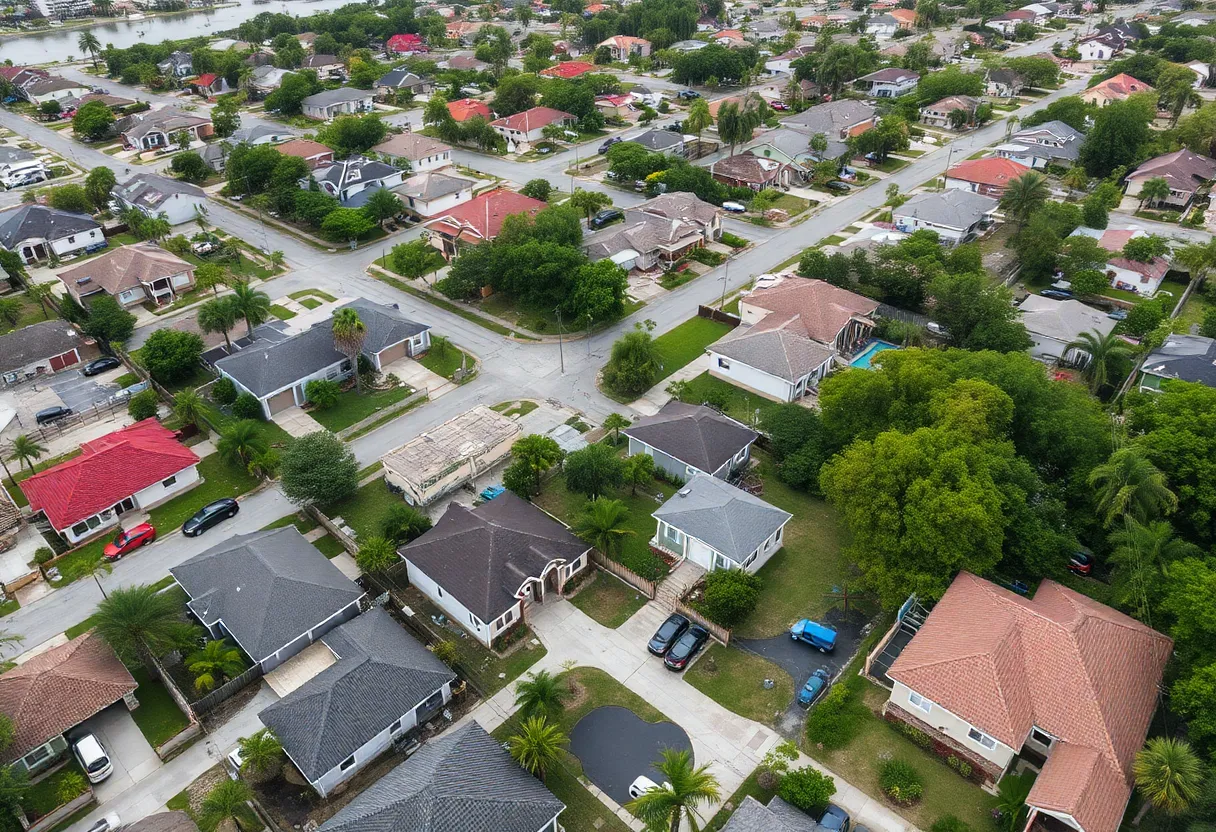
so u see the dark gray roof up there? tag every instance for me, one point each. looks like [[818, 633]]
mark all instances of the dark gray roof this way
[[831, 118], [30, 222], [343, 94], [694, 434], [150, 190], [483, 555], [777, 816], [385, 325], [268, 587], [954, 208], [1184, 357], [729, 519], [257, 131], [658, 139], [399, 78], [37, 341], [9, 154], [464, 781], [354, 169], [164, 822], [779, 352], [382, 672], [263, 368]]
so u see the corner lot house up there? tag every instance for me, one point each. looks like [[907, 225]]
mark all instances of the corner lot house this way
[[423, 152], [479, 219], [447, 456], [777, 816], [657, 232], [838, 120], [54, 692], [313, 153], [131, 275], [755, 172], [431, 193], [1051, 143], [461, 780], [354, 179], [485, 566], [159, 128], [1059, 680], [1183, 358], [686, 440], [624, 47], [331, 103], [938, 113], [45, 347], [272, 592], [1186, 173], [34, 231], [19, 166], [1053, 324], [718, 526], [956, 215], [381, 685], [137, 467], [529, 126], [154, 195]]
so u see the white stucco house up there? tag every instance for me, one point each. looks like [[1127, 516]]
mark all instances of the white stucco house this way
[[155, 196], [1053, 324]]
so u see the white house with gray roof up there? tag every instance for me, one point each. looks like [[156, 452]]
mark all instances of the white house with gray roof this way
[[686, 440], [156, 195], [431, 193], [717, 526], [773, 361], [33, 232], [1054, 324], [955, 215], [353, 180], [380, 684], [329, 104]]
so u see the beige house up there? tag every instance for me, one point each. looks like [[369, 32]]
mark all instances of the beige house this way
[[131, 275]]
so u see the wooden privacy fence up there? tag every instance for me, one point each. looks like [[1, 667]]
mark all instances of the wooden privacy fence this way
[[719, 316], [227, 690], [626, 574], [719, 632]]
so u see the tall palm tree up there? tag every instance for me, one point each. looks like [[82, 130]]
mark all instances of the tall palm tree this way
[[217, 660], [540, 695], [251, 304], [614, 422], [1102, 351], [1128, 484], [1142, 553], [241, 442], [1169, 774], [26, 450], [602, 524], [261, 754], [188, 407], [230, 799], [1154, 190], [139, 622], [1025, 195], [538, 745], [677, 799], [88, 43], [219, 315], [349, 333]]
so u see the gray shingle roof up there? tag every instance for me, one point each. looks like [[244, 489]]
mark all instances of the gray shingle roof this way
[[461, 782], [432, 185], [1184, 357], [777, 816], [150, 190], [255, 132], [382, 672], [482, 556], [694, 434], [778, 352], [729, 519], [385, 325], [8, 155], [327, 97], [658, 140], [262, 368], [268, 588], [831, 118], [37, 341], [30, 222], [955, 208]]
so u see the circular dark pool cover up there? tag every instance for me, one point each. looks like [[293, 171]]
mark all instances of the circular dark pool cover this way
[[615, 746]]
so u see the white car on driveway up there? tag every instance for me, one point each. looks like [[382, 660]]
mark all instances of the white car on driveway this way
[[93, 757]]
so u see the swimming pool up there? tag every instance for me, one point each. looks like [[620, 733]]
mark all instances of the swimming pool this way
[[866, 356]]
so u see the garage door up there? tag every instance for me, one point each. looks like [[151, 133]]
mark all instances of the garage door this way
[[281, 401], [58, 362], [390, 354]]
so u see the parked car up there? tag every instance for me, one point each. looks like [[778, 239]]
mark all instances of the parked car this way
[[100, 365], [686, 648], [734, 207], [838, 186], [129, 540], [52, 414], [233, 763], [675, 127], [820, 636], [1117, 314], [779, 106], [109, 823], [607, 216], [937, 329], [92, 757], [1081, 563], [835, 819], [814, 687], [667, 634], [209, 515], [642, 785], [614, 140], [687, 95], [1056, 294]]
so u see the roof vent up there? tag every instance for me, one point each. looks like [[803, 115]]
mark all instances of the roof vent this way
[[684, 492]]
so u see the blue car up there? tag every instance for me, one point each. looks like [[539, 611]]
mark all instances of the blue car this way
[[820, 636], [814, 687], [835, 819]]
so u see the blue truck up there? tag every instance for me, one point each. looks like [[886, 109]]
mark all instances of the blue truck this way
[[820, 636]]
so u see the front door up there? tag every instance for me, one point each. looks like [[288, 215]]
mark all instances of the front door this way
[[125, 505]]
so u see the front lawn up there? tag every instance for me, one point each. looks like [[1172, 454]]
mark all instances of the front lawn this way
[[448, 362], [793, 205], [329, 546], [221, 479], [303, 522], [269, 432], [158, 717], [45, 796], [892, 164], [734, 679], [365, 510], [735, 402], [684, 343], [315, 293], [354, 407], [281, 312], [609, 600]]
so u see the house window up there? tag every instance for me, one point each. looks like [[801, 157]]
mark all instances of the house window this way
[[978, 736], [171, 481], [395, 727], [723, 364], [1040, 737], [71, 239], [347, 763], [919, 701], [508, 618], [36, 756]]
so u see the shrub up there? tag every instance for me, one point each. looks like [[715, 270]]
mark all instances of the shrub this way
[[43, 554], [171, 354], [143, 405], [445, 651], [323, 393], [71, 786], [900, 782], [960, 765], [732, 240], [834, 722], [537, 189], [913, 733], [949, 823], [404, 523], [246, 406], [730, 596], [223, 391], [808, 789]]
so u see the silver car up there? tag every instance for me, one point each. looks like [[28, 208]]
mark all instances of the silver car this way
[[93, 757]]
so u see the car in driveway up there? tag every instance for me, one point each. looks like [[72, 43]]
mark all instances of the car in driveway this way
[[1056, 294], [820, 636], [100, 365], [109, 823], [52, 414], [129, 540], [234, 762], [92, 756], [209, 515], [642, 785], [667, 634], [606, 216], [835, 819], [686, 648], [1081, 563], [838, 187], [1117, 314], [814, 687]]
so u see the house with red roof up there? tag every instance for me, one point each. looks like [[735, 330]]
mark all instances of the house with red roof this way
[[529, 126], [479, 219], [137, 467], [990, 176], [623, 47], [209, 84], [568, 69], [465, 108], [1057, 682], [1123, 272], [906, 18], [1118, 88], [406, 44]]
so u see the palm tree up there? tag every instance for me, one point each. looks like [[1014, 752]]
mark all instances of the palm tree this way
[[1076, 178], [349, 332], [1129, 485], [602, 524], [230, 799], [188, 407], [261, 754], [1102, 351], [26, 449], [540, 695], [1142, 553], [95, 568], [1011, 800], [677, 799], [1154, 190], [88, 43], [538, 745], [1169, 774], [250, 304], [139, 622], [215, 661], [614, 422], [219, 315], [241, 442], [1025, 195]]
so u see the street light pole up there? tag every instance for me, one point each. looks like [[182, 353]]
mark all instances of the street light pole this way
[[560, 354]]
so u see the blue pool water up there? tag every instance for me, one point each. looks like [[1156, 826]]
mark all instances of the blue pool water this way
[[866, 356]]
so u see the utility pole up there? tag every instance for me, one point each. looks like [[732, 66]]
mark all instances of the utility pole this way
[[725, 278], [560, 354], [949, 159]]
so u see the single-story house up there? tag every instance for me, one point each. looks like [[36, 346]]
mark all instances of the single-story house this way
[[783, 64], [956, 215], [568, 69], [938, 113], [479, 219], [160, 128], [1051, 143], [1118, 88], [40, 90], [1054, 324], [329, 104], [891, 82], [136, 467], [1183, 358], [272, 592], [717, 526], [777, 361], [778, 816], [1184, 171], [260, 134], [209, 84], [989, 176], [131, 275], [660, 230], [405, 44], [382, 684], [432, 192], [422, 152], [178, 65], [614, 106], [324, 65], [755, 172], [155, 196], [447, 456], [841, 119], [1058, 680], [662, 141], [34, 232], [834, 317], [529, 126], [44, 347], [882, 26], [1099, 48], [55, 691], [18, 166], [1137, 277], [1003, 83], [164, 822], [485, 566], [399, 80], [1007, 22], [686, 440], [266, 79], [793, 148], [353, 179], [463, 62], [462, 779], [465, 108], [314, 153], [624, 47]]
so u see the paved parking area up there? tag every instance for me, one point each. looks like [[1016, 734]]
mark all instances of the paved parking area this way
[[79, 393], [130, 753], [616, 746]]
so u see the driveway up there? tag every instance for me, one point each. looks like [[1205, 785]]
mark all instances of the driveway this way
[[80, 393], [132, 757], [616, 746]]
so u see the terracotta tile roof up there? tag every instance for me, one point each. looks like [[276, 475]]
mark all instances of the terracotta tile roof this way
[[59, 689], [993, 171], [532, 119], [481, 218], [307, 150], [1114, 239], [813, 308], [623, 41], [205, 80], [466, 108], [905, 16], [1072, 667], [125, 268], [109, 469], [1118, 87], [568, 69], [1153, 270]]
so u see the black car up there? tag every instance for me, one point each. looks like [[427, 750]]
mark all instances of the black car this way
[[667, 634], [1056, 294], [838, 186], [675, 127], [606, 216], [688, 95], [52, 414], [209, 515], [604, 147], [686, 646], [835, 819], [100, 365]]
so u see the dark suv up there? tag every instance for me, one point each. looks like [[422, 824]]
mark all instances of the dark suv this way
[[52, 414]]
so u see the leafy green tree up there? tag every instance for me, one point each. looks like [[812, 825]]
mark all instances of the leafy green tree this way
[[71, 198], [685, 789], [215, 662], [347, 224], [633, 364], [615, 422], [537, 188], [1129, 485], [1025, 195], [294, 88], [261, 755], [540, 695], [1140, 557], [108, 322], [404, 523], [598, 292], [533, 455], [1012, 792], [808, 789], [171, 354], [318, 469], [1102, 354], [589, 202], [1169, 775], [1153, 190], [603, 522], [376, 555], [188, 407], [99, 183], [698, 119], [190, 167], [322, 393], [1120, 131], [246, 406], [349, 334], [978, 314], [140, 623], [731, 595], [143, 405], [538, 745], [639, 471], [219, 315], [516, 93], [594, 471], [353, 134], [211, 276]]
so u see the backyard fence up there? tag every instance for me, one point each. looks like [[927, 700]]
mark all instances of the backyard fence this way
[[623, 572], [348, 542], [384, 413], [719, 632], [95, 413], [181, 740], [228, 690], [719, 316]]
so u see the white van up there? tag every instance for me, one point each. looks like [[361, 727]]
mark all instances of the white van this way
[[92, 757]]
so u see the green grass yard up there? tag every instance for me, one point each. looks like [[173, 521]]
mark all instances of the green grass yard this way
[[304, 522], [365, 510], [748, 788], [221, 479], [329, 546], [735, 401], [30, 313], [354, 407], [684, 343], [312, 293], [608, 600], [732, 678], [448, 362], [282, 312], [270, 432], [158, 717], [44, 797], [310, 303], [515, 408]]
